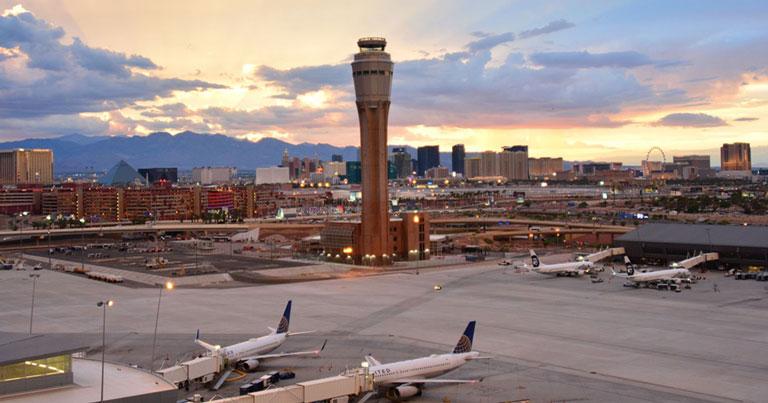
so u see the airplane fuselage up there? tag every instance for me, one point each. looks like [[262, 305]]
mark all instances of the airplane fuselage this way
[[561, 268], [660, 275], [254, 346], [419, 368]]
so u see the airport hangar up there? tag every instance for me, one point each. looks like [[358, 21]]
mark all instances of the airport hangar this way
[[739, 246]]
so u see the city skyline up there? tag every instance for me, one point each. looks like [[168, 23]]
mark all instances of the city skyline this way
[[606, 81]]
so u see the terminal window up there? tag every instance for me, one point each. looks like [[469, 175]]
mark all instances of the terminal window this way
[[36, 368]]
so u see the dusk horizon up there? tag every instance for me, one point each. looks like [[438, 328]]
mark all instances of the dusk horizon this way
[[605, 81]]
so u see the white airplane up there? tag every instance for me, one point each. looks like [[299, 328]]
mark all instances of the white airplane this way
[[405, 379], [673, 275], [561, 269], [248, 354]]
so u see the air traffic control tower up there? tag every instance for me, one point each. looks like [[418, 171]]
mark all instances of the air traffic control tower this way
[[372, 73]]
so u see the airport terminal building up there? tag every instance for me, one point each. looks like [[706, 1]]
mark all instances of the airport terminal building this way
[[50, 368], [738, 246]]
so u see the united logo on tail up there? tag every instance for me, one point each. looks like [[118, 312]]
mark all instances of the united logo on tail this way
[[285, 320], [465, 341]]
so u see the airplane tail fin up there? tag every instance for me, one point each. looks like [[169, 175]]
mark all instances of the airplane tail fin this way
[[372, 361], [465, 341], [534, 259], [628, 263], [207, 346], [285, 320]]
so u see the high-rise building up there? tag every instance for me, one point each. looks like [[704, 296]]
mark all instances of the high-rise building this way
[[213, 175], [354, 172], [489, 164], [472, 167], [272, 175], [335, 168], [372, 73], [544, 167], [337, 158], [437, 173], [24, 166], [286, 160], [513, 163], [736, 157], [457, 158], [428, 157], [401, 159], [696, 161]]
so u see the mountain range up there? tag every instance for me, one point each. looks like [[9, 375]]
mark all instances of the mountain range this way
[[185, 150], [78, 153]]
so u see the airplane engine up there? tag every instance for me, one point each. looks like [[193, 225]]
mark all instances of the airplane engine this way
[[402, 392], [249, 365]]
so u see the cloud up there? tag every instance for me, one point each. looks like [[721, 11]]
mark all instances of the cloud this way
[[490, 41], [690, 120], [173, 110], [584, 59], [745, 119], [107, 61], [52, 78], [553, 26], [304, 79]]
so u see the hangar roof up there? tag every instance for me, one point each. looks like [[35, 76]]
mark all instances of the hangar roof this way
[[15, 347], [700, 234]]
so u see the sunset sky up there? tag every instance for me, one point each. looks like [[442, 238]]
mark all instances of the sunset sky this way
[[601, 80]]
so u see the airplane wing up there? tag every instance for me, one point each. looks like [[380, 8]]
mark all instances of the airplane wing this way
[[279, 355], [622, 275], [437, 381], [299, 333]]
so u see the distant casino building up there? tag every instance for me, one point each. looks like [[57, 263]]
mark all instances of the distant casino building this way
[[152, 175], [545, 166], [213, 175], [458, 155], [26, 166], [736, 157], [428, 157], [401, 160]]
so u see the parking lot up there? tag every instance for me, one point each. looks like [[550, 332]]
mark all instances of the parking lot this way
[[165, 259]]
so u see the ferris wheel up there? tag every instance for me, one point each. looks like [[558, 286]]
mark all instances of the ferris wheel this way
[[655, 148]]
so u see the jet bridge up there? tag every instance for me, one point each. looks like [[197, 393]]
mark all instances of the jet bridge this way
[[696, 260], [333, 389], [604, 254]]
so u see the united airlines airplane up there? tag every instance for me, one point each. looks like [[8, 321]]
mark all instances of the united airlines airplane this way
[[404, 379], [248, 354]]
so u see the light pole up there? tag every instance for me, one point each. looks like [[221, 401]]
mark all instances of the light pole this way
[[168, 286], [22, 215], [103, 305], [34, 278], [82, 251]]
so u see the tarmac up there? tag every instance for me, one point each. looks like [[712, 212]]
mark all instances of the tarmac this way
[[551, 339]]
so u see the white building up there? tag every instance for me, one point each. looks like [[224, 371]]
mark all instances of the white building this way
[[334, 168], [272, 175], [213, 175]]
